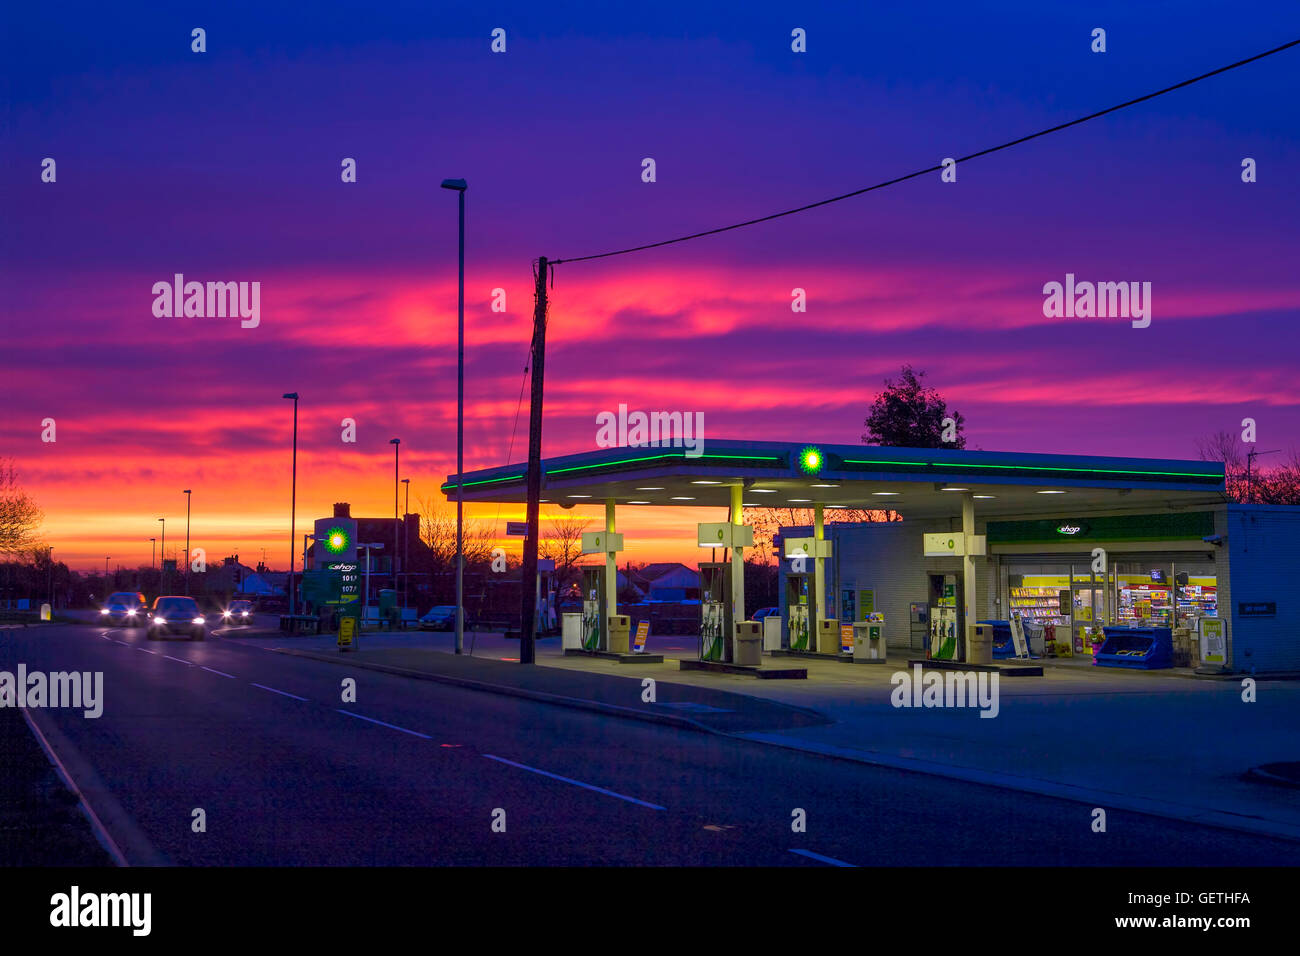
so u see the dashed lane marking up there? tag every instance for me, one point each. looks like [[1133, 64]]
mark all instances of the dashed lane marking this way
[[824, 859], [280, 692], [576, 783], [413, 733]]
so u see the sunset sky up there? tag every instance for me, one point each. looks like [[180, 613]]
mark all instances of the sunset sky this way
[[225, 166]]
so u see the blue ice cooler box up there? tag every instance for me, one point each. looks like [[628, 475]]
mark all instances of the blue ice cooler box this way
[[1146, 648], [1003, 646]]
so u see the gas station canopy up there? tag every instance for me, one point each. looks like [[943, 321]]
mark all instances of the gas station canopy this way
[[916, 482]]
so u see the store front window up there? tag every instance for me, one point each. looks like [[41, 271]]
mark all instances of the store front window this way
[[1139, 590]]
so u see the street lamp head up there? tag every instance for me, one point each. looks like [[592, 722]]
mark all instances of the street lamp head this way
[[187, 491], [457, 184], [406, 481], [394, 441], [293, 395]]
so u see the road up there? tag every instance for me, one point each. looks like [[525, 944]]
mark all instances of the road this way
[[287, 773]]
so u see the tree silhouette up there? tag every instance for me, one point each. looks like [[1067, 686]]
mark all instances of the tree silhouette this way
[[910, 415]]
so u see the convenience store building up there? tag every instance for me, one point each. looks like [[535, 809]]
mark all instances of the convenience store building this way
[[1164, 568], [1029, 528]]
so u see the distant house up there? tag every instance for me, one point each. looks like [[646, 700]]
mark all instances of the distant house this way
[[667, 582], [232, 577]]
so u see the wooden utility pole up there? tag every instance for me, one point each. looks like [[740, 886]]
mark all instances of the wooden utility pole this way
[[527, 589]]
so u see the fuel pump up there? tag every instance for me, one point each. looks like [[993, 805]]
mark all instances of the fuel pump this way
[[594, 637], [945, 618], [715, 612], [800, 615]]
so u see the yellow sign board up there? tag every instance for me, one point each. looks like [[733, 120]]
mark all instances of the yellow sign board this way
[[347, 633]]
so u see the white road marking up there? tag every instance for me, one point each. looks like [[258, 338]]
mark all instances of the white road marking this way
[[180, 659], [145, 649], [576, 783], [824, 859], [413, 733], [215, 671], [280, 692]]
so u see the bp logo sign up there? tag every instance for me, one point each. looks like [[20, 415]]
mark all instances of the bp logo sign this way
[[337, 540], [810, 460]]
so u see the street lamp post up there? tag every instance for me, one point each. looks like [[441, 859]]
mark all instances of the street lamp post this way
[[106, 557], [406, 545], [397, 444], [459, 185], [187, 540], [293, 499], [153, 553], [162, 556], [365, 603]]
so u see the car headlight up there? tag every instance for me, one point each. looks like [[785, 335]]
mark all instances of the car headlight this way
[[131, 612], [160, 620], [225, 614], [197, 620], [244, 613], [103, 610]]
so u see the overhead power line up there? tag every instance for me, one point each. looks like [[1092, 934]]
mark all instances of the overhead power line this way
[[932, 169]]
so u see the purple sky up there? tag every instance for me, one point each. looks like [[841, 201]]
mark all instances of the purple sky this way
[[225, 166]]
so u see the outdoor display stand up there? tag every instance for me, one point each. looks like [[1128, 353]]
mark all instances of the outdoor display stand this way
[[1145, 648]]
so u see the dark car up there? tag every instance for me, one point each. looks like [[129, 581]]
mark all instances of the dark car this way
[[175, 614], [239, 612], [125, 607], [441, 618]]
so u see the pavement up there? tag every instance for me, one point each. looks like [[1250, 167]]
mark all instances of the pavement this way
[[1160, 742], [224, 752]]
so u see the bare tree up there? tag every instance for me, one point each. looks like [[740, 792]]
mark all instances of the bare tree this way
[[562, 543], [1228, 448], [767, 523], [20, 518], [438, 532]]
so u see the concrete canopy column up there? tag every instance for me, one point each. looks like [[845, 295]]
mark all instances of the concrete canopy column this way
[[968, 566], [611, 564], [737, 560], [819, 565]]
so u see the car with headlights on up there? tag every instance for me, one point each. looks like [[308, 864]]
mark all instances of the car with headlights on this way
[[175, 614], [239, 612], [127, 608]]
